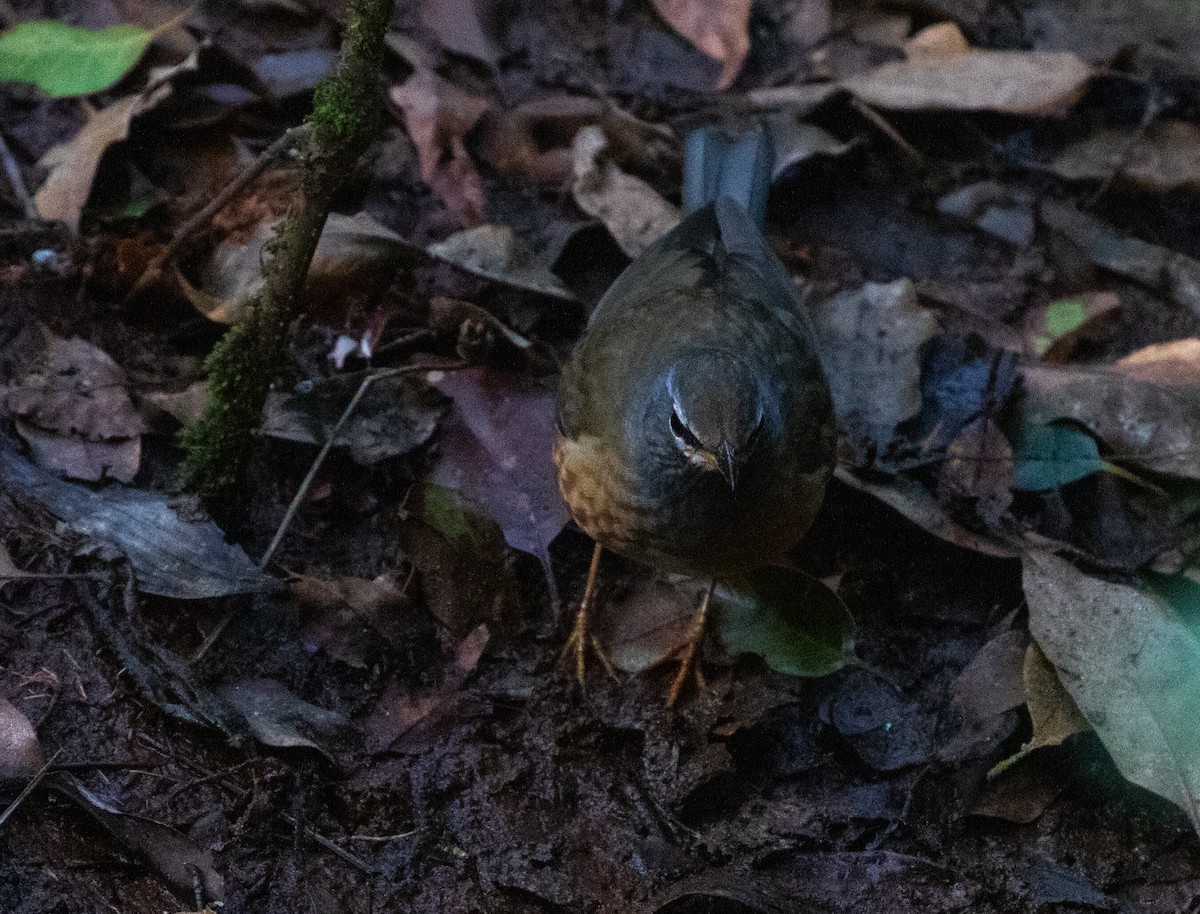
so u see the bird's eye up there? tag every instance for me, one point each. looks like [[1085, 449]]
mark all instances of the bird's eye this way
[[682, 432]]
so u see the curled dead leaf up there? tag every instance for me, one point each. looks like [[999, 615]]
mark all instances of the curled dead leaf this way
[[719, 28]]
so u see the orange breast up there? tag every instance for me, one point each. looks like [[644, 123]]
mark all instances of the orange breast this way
[[596, 489]]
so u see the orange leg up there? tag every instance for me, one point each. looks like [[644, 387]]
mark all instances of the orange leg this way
[[581, 636], [688, 665]]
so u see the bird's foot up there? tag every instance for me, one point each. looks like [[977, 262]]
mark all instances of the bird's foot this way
[[689, 660], [580, 643]]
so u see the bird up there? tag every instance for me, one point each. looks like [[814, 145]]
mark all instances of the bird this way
[[695, 427]]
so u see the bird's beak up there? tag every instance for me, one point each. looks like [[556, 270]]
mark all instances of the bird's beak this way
[[727, 464]]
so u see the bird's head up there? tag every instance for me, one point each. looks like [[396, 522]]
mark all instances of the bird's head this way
[[717, 411]]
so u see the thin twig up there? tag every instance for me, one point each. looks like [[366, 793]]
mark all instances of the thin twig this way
[[154, 270], [887, 129], [34, 781], [13, 171]]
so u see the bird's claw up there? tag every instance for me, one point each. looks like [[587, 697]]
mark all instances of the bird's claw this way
[[578, 643]]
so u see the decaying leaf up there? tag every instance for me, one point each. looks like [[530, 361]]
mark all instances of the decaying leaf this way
[[76, 415], [942, 73], [1003, 211], [457, 26], [497, 449], [494, 252], [279, 719], [463, 560], [912, 500], [871, 340], [73, 164], [347, 617], [20, 751], [1166, 156], [181, 862], [991, 683], [438, 116], [171, 555], [719, 28], [1053, 711], [634, 213], [396, 415], [1147, 416], [979, 466], [646, 626], [1132, 667], [400, 712], [1170, 273], [356, 257]]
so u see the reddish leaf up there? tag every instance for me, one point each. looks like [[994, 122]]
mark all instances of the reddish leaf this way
[[719, 28], [497, 450]]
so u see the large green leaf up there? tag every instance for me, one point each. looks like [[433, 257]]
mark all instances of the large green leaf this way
[[63, 60], [1132, 665], [1051, 455], [790, 619]]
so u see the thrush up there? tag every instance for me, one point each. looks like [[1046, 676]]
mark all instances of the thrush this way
[[696, 429]]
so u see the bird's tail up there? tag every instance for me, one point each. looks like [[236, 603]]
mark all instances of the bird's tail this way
[[719, 163]]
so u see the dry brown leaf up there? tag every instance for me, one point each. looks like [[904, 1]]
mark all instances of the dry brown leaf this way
[[76, 415], [73, 164], [1165, 157], [457, 26], [1053, 711], [633, 212], [719, 28], [979, 465], [438, 115], [941, 73]]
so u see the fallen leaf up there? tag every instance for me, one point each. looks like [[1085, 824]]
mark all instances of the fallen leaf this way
[[348, 617], [646, 626], [72, 165], [719, 28], [287, 74], [634, 213], [438, 116], [938, 79], [1052, 710], [991, 683], [180, 861], [65, 61], [76, 415], [279, 719], [463, 560], [1052, 454], [20, 751], [794, 621], [912, 500], [1170, 273], [497, 450], [532, 141], [1022, 792], [355, 257], [979, 466], [1053, 330], [796, 142], [400, 712], [184, 406], [871, 339], [457, 26], [1165, 156], [1142, 421], [1132, 667], [396, 415], [171, 555], [494, 252], [1003, 211]]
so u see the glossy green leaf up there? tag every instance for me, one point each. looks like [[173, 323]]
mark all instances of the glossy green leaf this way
[[63, 60], [790, 619], [1051, 455]]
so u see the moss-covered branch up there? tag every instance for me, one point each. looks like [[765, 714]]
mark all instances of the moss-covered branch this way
[[243, 365]]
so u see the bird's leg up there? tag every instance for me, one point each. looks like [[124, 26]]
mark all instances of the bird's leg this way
[[581, 635], [687, 662]]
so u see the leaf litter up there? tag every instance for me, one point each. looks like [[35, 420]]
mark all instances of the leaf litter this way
[[965, 433]]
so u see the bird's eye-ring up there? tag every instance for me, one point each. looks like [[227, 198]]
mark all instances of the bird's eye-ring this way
[[682, 432]]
